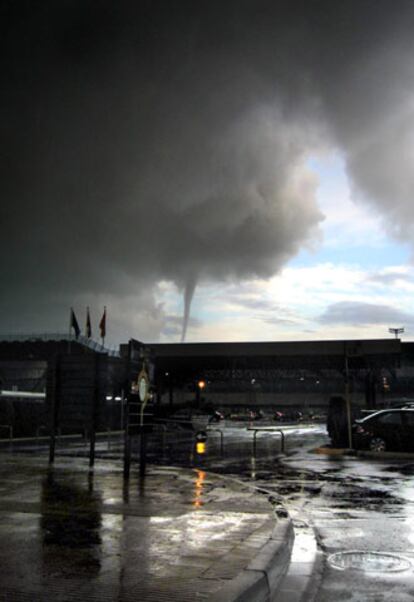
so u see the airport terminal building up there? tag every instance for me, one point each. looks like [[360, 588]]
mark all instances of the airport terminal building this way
[[91, 383]]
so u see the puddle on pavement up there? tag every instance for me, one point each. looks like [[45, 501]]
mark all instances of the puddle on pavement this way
[[369, 562], [292, 484], [333, 481], [362, 493], [70, 514], [71, 528], [354, 497], [406, 469]]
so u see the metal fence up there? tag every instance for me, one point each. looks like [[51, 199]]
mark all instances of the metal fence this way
[[56, 336]]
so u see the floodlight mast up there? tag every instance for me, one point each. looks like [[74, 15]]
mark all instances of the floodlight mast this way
[[396, 331]]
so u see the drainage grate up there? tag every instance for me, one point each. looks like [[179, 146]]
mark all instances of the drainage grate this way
[[369, 562]]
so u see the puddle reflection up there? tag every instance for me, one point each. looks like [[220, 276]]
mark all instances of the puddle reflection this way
[[199, 489], [253, 467], [70, 523]]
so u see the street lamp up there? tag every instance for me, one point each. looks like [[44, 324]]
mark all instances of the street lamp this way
[[201, 384], [396, 331]]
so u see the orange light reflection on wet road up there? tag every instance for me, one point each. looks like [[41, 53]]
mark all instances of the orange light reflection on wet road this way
[[199, 485]]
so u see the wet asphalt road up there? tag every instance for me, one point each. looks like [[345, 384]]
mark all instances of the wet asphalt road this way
[[358, 505], [353, 504]]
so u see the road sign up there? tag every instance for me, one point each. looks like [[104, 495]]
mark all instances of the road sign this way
[[143, 386]]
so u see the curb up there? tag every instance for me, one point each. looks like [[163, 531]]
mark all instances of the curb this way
[[302, 580], [332, 451], [385, 455], [259, 581]]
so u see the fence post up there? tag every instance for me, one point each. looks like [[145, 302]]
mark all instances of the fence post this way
[[127, 444], [55, 406], [95, 413]]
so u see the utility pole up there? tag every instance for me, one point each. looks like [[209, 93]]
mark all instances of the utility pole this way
[[348, 401], [396, 331]]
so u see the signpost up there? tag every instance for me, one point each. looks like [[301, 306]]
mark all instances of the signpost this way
[[143, 392], [138, 398]]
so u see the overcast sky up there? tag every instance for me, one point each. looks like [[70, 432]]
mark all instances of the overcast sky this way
[[245, 164]]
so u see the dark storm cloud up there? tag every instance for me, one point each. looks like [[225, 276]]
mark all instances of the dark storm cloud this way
[[159, 140], [354, 313]]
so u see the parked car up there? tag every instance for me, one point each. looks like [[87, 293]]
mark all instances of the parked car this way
[[255, 414], [386, 430], [216, 416], [288, 416]]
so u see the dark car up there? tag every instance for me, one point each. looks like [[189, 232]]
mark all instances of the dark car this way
[[255, 414], [216, 416], [386, 430], [288, 416]]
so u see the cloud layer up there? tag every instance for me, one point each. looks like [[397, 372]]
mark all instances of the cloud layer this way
[[144, 143], [357, 313]]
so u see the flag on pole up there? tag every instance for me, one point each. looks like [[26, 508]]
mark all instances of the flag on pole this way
[[74, 323], [88, 324], [102, 324]]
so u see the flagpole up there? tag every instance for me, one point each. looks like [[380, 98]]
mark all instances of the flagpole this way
[[88, 327], [70, 328], [73, 324], [104, 332], [102, 326]]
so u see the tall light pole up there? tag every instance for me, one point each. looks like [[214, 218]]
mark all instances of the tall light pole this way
[[201, 384], [396, 331]]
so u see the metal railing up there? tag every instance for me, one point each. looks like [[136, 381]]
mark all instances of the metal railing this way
[[58, 336], [267, 429], [45, 428], [165, 423]]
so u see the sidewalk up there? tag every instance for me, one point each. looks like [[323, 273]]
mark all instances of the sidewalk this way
[[70, 534]]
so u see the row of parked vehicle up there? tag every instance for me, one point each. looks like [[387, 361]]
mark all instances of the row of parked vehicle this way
[[390, 429], [276, 415], [214, 415]]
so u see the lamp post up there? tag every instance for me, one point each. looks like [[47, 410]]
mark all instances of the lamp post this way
[[348, 402], [201, 384], [396, 331]]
